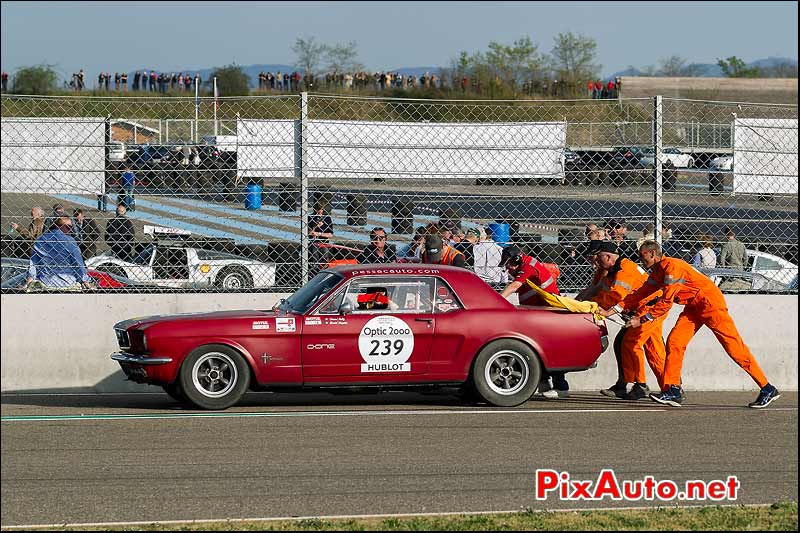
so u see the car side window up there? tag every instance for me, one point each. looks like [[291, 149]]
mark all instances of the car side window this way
[[764, 263], [376, 295], [331, 307], [445, 300]]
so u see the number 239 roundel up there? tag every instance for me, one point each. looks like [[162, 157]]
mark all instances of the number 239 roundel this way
[[386, 343]]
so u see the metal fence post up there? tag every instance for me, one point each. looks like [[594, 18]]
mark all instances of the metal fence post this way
[[303, 188], [658, 185]]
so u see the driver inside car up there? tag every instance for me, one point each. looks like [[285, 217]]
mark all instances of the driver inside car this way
[[375, 298]]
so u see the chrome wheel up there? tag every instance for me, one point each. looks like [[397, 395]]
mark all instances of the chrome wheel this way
[[233, 281], [506, 372], [214, 374]]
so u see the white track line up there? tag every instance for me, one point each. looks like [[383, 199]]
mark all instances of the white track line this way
[[369, 516], [307, 414]]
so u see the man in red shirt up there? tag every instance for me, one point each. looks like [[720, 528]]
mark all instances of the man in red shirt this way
[[522, 268]]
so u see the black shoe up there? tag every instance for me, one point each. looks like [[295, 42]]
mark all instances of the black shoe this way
[[767, 395], [672, 396], [638, 392], [615, 391]]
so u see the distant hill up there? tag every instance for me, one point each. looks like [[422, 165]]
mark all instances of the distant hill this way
[[709, 70]]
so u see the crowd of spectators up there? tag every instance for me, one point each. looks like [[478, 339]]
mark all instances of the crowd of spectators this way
[[360, 81], [142, 80]]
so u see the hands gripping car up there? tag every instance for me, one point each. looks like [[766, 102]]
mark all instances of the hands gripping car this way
[[446, 328]]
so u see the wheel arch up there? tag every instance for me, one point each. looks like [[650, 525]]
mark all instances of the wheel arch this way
[[528, 341], [225, 269], [228, 343]]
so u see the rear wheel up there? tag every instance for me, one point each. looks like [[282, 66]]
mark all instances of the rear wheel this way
[[214, 377], [234, 278], [506, 373]]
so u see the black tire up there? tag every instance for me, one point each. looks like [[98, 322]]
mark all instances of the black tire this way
[[175, 392], [234, 278], [506, 373], [214, 377], [114, 270]]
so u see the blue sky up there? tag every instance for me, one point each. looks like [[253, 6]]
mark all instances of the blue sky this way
[[175, 35]]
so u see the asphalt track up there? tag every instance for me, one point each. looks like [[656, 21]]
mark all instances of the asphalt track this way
[[140, 457]]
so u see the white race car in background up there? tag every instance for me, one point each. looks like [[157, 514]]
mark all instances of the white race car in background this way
[[178, 266], [770, 267], [678, 158], [724, 162]]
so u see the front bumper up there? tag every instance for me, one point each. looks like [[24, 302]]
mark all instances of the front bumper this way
[[133, 359], [141, 369]]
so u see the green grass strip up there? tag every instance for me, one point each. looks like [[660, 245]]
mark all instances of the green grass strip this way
[[775, 517]]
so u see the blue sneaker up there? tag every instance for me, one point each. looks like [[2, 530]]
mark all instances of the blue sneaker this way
[[672, 396], [767, 395]]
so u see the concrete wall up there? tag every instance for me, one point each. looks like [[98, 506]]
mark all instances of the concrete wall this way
[[62, 342]]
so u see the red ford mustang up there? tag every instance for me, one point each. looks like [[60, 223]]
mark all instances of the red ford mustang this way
[[374, 326]]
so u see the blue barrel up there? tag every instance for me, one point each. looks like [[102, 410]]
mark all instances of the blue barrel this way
[[501, 233], [252, 200]]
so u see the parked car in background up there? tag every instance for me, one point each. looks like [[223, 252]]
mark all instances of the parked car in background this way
[[103, 280], [378, 326], [724, 162], [734, 280], [117, 152], [570, 157], [626, 156], [769, 266], [12, 267], [675, 156], [169, 264]]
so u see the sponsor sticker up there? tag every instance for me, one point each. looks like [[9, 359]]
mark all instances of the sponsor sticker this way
[[313, 321], [261, 324], [285, 325], [335, 321], [386, 343]]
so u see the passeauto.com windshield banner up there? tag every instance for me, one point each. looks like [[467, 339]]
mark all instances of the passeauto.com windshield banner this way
[[560, 485]]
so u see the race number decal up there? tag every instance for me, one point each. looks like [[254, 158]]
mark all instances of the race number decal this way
[[385, 344]]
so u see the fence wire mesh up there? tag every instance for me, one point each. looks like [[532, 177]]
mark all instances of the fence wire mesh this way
[[259, 193]]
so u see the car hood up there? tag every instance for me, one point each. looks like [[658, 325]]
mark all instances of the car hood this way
[[147, 321]]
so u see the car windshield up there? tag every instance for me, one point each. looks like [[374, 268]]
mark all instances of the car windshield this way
[[316, 289], [143, 257]]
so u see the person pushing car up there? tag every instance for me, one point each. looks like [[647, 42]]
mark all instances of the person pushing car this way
[[523, 268], [704, 305], [623, 276]]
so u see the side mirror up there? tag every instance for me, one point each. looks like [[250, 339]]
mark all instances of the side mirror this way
[[346, 308], [277, 305]]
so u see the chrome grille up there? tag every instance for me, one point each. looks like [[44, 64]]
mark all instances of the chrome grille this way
[[122, 338]]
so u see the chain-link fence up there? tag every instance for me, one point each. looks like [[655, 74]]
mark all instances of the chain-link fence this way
[[259, 193]]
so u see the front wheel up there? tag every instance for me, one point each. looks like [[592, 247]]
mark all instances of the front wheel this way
[[175, 392], [506, 373], [214, 377]]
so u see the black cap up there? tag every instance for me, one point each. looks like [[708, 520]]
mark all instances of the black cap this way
[[511, 256], [433, 248], [595, 247]]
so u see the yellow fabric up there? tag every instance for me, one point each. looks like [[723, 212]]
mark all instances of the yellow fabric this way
[[570, 304]]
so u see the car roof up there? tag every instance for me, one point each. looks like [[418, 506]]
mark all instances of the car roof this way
[[396, 268], [470, 288]]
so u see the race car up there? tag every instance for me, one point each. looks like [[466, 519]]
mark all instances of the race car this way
[[170, 264], [364, 326]]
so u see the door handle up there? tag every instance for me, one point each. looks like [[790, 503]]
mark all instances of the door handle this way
[[428, 320]]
